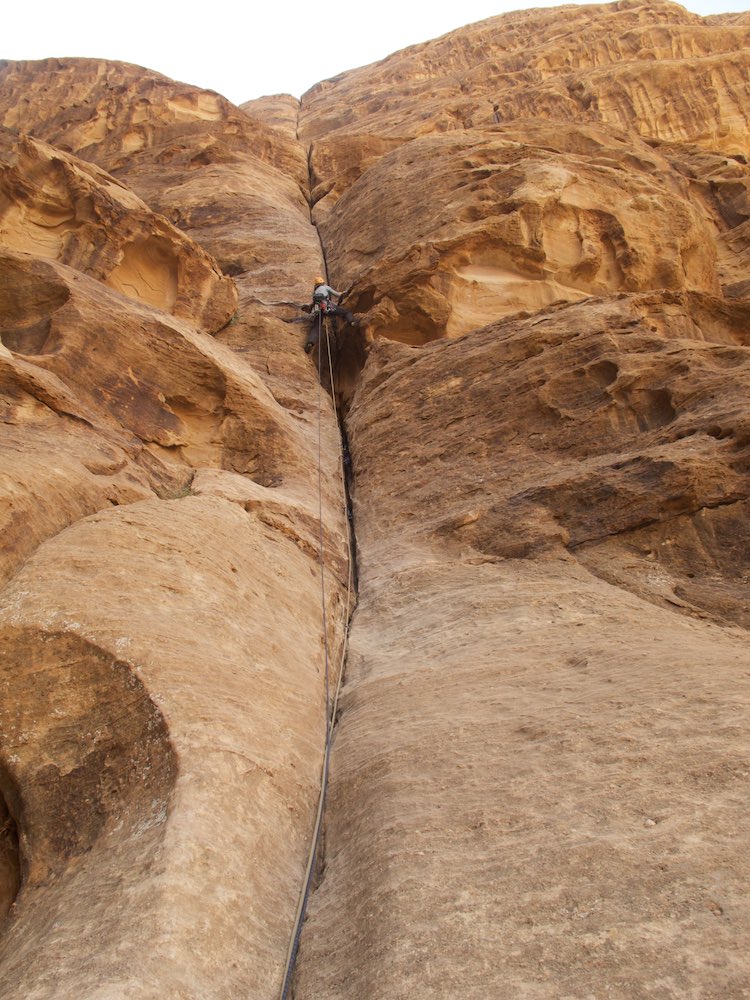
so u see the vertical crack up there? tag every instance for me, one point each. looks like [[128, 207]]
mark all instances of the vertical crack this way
[[317, 859], [345, 453], [348, 490], [10, 859], [311, 206]]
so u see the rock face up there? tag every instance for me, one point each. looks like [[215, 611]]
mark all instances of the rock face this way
[[163, 705], [540, 763], [515, 219], [229, 180], [59, 208], [539, 766], [649, 67], [538, 775]]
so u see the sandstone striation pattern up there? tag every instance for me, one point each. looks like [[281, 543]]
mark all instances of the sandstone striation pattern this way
[[539, 769], [163, 704], [540, 764], [516, 219]]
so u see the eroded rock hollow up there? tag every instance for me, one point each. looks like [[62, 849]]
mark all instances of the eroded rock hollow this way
[[539, 768]]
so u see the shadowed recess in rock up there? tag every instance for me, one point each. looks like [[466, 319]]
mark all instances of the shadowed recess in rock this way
[[538, 773], [88, 771], [10, 862], [89, 754]]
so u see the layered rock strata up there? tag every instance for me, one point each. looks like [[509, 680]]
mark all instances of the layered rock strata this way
[[517, 218], [227, 179], [164, 497], [57, 207], [652, 68], [539, 770]]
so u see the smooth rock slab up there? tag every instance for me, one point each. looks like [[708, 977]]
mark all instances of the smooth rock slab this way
[[213, 620]]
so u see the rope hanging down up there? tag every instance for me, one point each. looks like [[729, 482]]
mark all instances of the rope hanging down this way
[[299, 916]]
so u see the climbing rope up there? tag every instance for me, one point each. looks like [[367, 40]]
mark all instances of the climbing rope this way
[[331, 710]]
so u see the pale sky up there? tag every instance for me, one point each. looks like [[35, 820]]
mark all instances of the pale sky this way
[[245, 50]]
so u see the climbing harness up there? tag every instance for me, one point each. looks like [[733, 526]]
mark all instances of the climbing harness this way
[[331, 706]]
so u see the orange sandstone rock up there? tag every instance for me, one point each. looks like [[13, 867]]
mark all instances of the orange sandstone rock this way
[[652, 68], [538, 774], [232, 181], [161, 507], [539, 765], [511, 221], [60, 208]]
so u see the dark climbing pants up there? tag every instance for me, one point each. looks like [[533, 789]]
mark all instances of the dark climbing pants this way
[[331, 310]]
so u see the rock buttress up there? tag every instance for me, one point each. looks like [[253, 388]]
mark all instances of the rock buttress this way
[[538, 778], [160, 505]]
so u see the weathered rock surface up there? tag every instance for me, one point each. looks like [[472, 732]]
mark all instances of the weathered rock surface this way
[[10, 873], [537, 791], [57, 207], [231, 181], [539, 775], [535, 116], [539, 771], [601, 418], [280, 111], [525, 164], [214, 612], [650, 67], [515, 220], [161, 507]]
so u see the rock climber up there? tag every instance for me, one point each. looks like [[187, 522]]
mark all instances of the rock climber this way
[[323, 306]]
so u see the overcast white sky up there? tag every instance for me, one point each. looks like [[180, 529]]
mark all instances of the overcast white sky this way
[[244, 50]]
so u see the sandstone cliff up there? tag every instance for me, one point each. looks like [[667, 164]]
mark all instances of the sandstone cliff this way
[[163, 700], [539, 768]]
